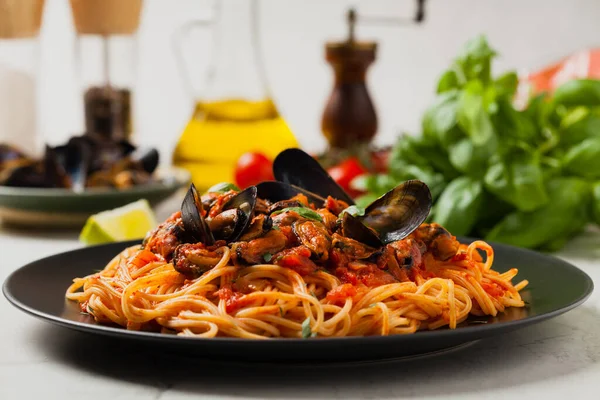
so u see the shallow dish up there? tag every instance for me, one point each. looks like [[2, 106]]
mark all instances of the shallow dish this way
[[62, 207], [555, 287]]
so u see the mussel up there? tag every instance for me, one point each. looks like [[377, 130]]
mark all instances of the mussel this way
[[233, 220], [296, 167], [45, 173], [398, 212], [235, 217], [195, 226], [391, 217]]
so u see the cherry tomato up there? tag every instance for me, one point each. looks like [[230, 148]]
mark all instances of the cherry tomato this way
[[252, 168], [345, 172]]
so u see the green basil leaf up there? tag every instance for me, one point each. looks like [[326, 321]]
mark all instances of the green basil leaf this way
[[471, 159], [578, 92], [223, 187], [459, 205], [472, 113], [596, 204], [353, 210], [448, 81], [440, 118], [565, 214], [303, 211], [306, 332], [420, 151], [518, 180], [583, 159], [506, 84], [579, 125], [475, 58], [267, 257]]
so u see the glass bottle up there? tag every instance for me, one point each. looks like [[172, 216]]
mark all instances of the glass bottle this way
[[106, 58], [20, 23], [234, 112]]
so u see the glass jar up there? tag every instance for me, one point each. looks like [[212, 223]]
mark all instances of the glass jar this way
[[233, 109], [20, 23], [106, 62]]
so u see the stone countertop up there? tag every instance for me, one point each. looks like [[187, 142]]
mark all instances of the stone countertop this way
[[558, 358]]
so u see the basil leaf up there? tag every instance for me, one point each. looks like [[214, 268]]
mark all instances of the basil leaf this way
[[596, 205], [578, 92], [448, 81], [267, 257], [584, 159], [472, 159], [506, 84], [475, 59], [458, 206], [472, 113], [564, 215], [440, 118], [353, 210], [518, 180], [303, 211], [306, 332], [223, 187]]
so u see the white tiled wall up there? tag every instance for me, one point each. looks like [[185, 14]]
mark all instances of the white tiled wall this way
[[527, 34]]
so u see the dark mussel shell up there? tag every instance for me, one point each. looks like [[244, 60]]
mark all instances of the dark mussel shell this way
[[46, 173], [195, 227], [242, 205], [275, 191], [354, 229], [396, 214], [296, 167], [146, 159]]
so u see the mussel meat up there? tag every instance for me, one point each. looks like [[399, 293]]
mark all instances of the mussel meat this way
[[296, 167], [195, 227], [235, 217]]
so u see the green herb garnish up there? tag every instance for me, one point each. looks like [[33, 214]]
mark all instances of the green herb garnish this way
[[303, 212], [306, 332], [222, 188], [267, 257], [353, 210]]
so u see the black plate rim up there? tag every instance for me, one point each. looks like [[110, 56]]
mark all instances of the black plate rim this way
[[351, 340]]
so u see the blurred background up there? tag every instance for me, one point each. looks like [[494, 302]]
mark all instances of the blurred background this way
[[495, 105], [527, 35]]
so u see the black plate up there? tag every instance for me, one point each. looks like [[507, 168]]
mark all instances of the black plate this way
[[555, 287]]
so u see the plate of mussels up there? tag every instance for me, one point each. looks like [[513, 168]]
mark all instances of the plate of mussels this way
[[88, 174]]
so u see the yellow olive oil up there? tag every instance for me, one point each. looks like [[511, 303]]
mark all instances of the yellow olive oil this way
[[220, 132]]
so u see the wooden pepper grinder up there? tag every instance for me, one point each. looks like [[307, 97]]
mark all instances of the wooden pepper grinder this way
[[349, 118], [349, 121]]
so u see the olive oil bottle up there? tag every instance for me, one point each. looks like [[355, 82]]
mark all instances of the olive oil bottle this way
[[235, 113]]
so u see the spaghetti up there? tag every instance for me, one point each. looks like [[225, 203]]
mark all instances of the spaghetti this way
[[233, 264], [137, 290]]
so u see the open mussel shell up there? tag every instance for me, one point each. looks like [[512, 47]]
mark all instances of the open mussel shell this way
[[238, 213], [194, 224], [396, 214], [147, 159], [45, 173], [354, 229], [275, 191], [296, 167]]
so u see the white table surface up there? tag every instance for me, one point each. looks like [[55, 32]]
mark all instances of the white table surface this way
[[559, 358]]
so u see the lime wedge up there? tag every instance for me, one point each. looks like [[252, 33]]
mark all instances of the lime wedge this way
[[129, 222]]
